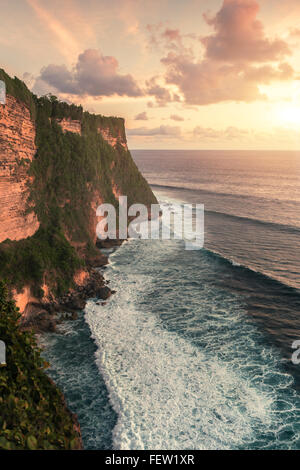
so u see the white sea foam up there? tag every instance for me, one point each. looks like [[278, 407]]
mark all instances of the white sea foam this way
[[169, 393]]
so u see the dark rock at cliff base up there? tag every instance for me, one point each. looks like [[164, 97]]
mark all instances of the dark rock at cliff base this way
[[108, 243], [42, 317], [38, 319], [51, 308], [97, 261], [74, 302], [103, 293], [94, 287]]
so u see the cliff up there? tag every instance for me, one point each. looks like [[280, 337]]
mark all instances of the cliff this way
[[113, 136], [17, 149], [58, 163]]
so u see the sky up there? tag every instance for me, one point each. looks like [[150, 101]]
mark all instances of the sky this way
[[185, 74]]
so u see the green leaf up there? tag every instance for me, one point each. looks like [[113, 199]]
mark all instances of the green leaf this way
[[5, 444], [31, 443], [73, 444]]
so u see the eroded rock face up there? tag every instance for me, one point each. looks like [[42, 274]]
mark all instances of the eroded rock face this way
[[17, 149], [113, 141], [70, 126]]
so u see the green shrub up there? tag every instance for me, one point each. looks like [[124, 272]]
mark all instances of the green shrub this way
[[32, 411], [47, 251]]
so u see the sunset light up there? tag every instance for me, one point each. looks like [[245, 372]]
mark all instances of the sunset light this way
[[216, 65], [289, 115], [149, 229]]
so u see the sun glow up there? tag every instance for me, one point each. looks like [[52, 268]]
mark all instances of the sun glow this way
[[289, 114]]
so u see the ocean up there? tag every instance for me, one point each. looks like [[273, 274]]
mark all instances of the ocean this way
[[194, 350]]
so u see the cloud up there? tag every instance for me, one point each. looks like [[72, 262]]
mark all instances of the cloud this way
[[208, 82], [230, 133], [238, 58], [172, 34], [159, 92], [175, 117], [239, 35], [93, 75], [295, 33], [170, 131], [141, 117], [168, 38], [266, 74], [247, 138]]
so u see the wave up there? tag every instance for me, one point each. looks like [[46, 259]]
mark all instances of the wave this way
[[214, 192], [220, 390], [176, 204], [276, 225], [206, 191], [267, 277], [290, 228]]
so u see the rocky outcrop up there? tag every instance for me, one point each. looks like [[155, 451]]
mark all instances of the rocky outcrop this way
[[43, 315], [17, 149], [23, 298], [107, 135], [70, 125], [114, 138], [37, 318], [66, 211]]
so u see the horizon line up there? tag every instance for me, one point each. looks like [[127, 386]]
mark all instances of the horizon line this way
[[220, 150]]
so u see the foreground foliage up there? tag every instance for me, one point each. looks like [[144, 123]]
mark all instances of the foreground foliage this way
[[32, 411]]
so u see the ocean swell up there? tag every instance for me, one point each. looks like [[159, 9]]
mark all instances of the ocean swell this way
[[198, 377]]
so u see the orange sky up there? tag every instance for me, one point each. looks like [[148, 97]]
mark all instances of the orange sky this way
[[203, 74]]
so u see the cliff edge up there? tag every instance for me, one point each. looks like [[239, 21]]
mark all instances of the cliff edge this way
[[58, 163]]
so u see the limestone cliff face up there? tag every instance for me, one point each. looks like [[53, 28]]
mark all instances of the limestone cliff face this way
[[112, 140], [65, 176], [72, 125], [17, 149]]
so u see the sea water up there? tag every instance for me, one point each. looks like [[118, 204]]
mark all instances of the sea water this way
[[194, 349]]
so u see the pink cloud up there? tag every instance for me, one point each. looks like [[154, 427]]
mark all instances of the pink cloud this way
[[295, 33], [239, 35], [172, 34], [238, 58], [207, 82], [160, 93], [141, 117], [168, 38], [93, 74], [175, 117]]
